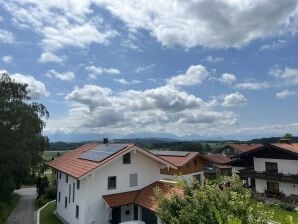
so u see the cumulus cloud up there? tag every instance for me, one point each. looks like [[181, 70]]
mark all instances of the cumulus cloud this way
[[93, 71], [227, 79], [36, 89], [64, 76], [252, 85], [162, 109], [125, 82], [234, 99], [60, 24], [289, 76], [194, 75], [216, 24], [47, 57], [7, 59], [285, 93], [6, 37]]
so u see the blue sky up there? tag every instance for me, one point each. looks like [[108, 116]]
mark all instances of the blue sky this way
[[189, 69]]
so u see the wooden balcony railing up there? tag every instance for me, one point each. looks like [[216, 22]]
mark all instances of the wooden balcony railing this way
[[281, 177]]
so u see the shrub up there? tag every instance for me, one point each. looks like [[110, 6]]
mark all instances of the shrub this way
[[287, 206]]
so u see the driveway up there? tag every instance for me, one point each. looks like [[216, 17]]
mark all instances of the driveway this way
[[24, 212]]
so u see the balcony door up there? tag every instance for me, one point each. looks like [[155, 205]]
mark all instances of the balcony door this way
[[271, 167], [272, 187]]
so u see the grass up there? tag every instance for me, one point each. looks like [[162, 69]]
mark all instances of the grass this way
[[281, 214], [48, 155], [7, 207], [47, 216]]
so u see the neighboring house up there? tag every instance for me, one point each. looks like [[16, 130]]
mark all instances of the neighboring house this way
[[274, 169], [189, 164], [233, 149], [108, 183], [217, 165]]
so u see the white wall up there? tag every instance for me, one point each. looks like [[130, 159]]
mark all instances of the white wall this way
[[286, 188], [95, 185], [283, 165], [69, 213]]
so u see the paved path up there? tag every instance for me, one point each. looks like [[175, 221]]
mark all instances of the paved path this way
[[24, 212]]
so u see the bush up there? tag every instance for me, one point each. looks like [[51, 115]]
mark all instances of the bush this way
[[41, 201], [287, 206], [50, 193]]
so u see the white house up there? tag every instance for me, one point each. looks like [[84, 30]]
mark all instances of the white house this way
[[108, 183], [274, 170]]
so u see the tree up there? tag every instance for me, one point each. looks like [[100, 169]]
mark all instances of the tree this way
[[288, 136], [229, 204], [21, 141]]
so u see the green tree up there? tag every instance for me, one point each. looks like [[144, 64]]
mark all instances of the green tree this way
[[288, 136], [21, 140], [211, 204]]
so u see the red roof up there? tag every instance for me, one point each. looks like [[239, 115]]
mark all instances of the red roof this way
[[244, 147], [143, 197], [293, 147], [71, 164], [179, 160], [217, 158]]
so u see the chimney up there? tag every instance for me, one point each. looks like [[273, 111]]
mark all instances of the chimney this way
[[105, 141]]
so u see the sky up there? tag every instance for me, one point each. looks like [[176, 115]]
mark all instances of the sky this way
[[197, 69]]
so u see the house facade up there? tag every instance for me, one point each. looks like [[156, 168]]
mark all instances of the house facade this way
[[274, 170], [86, 176]]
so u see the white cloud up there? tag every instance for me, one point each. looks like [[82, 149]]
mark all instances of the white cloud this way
[[95, 109], [274, 45], [285, 93], [60, 24], [36, 89], [195, 74], [7, 59], [125, 82], [252, 85], [64, 76], [289, 76], [217, 24], [142, 69], [94, 71], [6, 37], [234, 99], [227, 79], [47, 57], [214, 59]]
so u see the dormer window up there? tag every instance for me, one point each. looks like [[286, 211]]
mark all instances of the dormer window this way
[[126, 159]]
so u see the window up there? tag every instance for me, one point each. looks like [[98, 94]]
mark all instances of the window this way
[[272, 187], [271, 167], [69, 190], [77, 211], [73, 192], [60, 175], [65, 202], [78, 184], [135, 212], [55, 171], [59, 196], [133, 180], [66, 178], [111, 183], [126, 158], [55, 183]]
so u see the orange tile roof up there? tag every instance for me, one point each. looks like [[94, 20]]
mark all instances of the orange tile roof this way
[[143, 197], [217, 158], [244, 147], [179, 160], [71, 164], [293, 147]]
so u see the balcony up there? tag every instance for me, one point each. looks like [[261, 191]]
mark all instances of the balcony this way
[[280, 177]]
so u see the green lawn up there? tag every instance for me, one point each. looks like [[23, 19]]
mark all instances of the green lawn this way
[[281, 214], [7, 207], [47, 216]]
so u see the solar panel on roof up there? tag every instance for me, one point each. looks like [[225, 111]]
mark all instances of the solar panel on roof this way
[[102, 152], [169, 153]]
